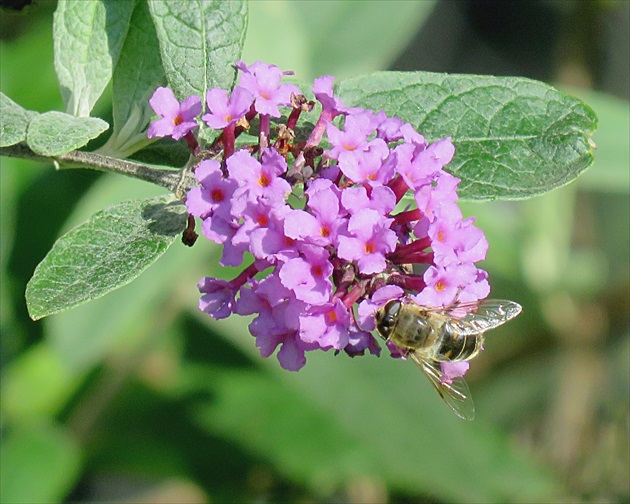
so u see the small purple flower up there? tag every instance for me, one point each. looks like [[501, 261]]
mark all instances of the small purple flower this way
[[308, 276], [445, 284], [459, 240], [321, 226], [213, 197], [349, 143], [177, 120], [323, 91], [381, 198], [438, 197], [223, 111], [367, 240], [258, 179], [263, 82], [217, 299], [326, 325]]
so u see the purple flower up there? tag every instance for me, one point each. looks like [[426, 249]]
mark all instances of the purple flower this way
[[308, 276], [349, 144], [456, 239], [321, 226], [359, 341], [276, 323], [368, 239], [177, 120], [217, 299], [381, 198], [224, 111], [438, 197], [445, 284], [329, 234], [326, 325], [256, 179], [263, 82], [213, 197], [323, 91]]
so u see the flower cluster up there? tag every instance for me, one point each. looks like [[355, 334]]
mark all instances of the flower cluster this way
[[321, 222]]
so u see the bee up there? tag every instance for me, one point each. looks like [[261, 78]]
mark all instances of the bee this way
[[433, 335]]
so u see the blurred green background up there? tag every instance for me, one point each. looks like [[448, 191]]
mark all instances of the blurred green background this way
[[137, 397]]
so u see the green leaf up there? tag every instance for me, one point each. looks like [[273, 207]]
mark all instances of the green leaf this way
[[14, 122], [199, 41], [514, 137], [138, 74], [40, 463], [83, 336], [108, 251], [54, 133], [88, 37]]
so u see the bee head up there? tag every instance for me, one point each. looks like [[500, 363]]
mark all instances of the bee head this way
[[386, 317]]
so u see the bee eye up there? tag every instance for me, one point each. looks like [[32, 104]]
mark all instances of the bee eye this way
[[386, 318], [388, 321], [391, 310]]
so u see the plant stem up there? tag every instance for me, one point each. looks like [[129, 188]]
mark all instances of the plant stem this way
[[177, 181]]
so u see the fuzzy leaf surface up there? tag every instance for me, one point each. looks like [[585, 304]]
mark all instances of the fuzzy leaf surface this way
[[14, 121], [514, 137], [88, 36], [199, 41], [107, 251], [54, 133]]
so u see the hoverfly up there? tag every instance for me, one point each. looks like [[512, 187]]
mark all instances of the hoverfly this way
[[432, 335]]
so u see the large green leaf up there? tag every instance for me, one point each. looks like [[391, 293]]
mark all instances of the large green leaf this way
[[514, 137], [54, 133], [106, 252], [199, 41], [84, 335], [88, 37]]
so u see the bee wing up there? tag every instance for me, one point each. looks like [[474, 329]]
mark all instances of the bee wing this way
[[456, 394], [480, 316]]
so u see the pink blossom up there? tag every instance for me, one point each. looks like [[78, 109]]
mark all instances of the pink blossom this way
[[176, 120]]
